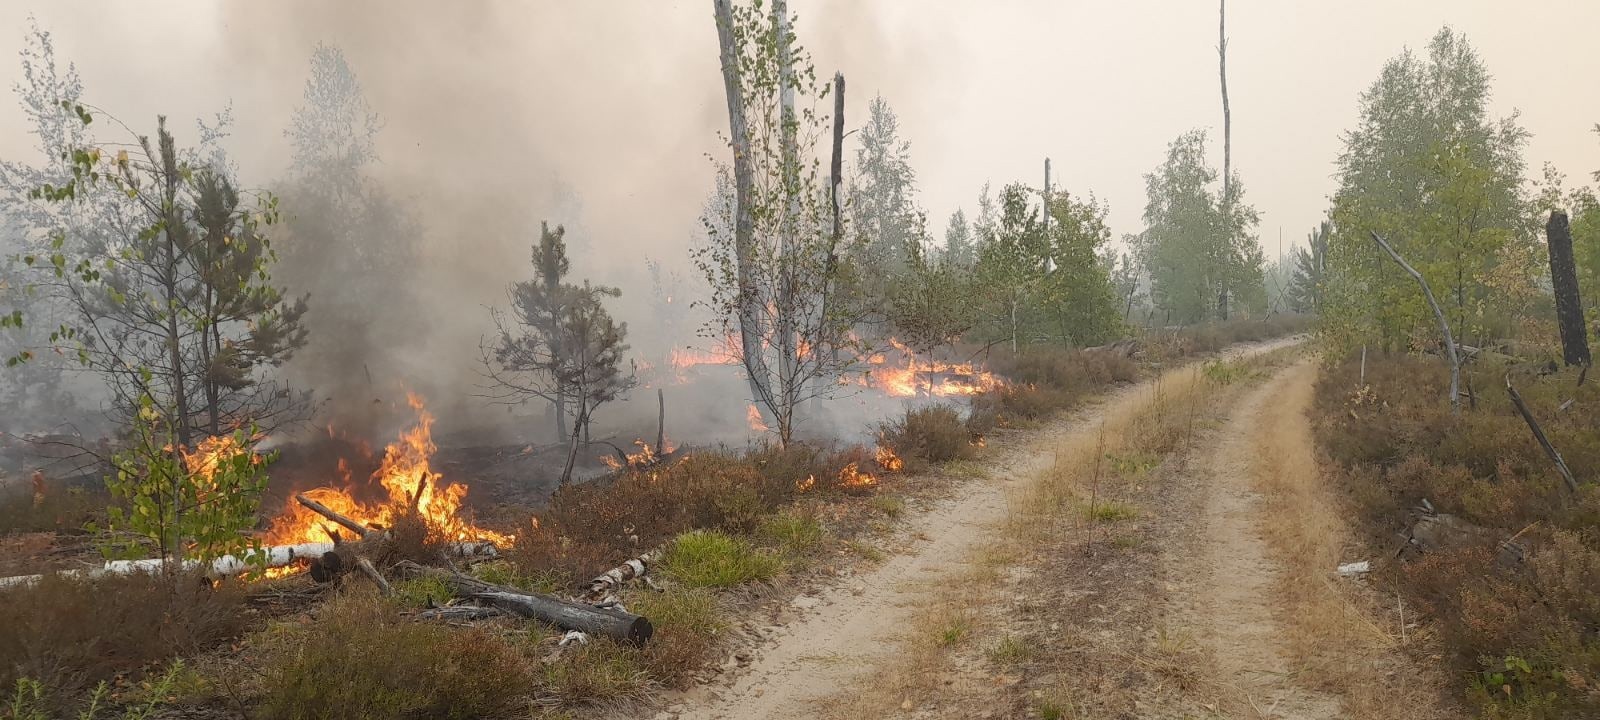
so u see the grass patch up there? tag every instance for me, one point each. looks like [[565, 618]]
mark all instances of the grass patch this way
[[713, 559], [418, 592], [966, 469], [794, 532], [362, 661], [888, 505], [866, 550], [1110, 511], [1011, 650], [688, 625], [600, 671]]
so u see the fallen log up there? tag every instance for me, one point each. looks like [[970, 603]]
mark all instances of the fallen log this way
[[461, 612], [225, 566], [615, 577], [320, 509], [587, 619], [564, 614]]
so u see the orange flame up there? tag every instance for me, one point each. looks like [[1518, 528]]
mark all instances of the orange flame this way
[[809, 482], [851, 476], [752, 415], [888, 460], [408, 479], [646, 456], [927, 378]]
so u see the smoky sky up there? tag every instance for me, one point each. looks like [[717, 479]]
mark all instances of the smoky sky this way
[[603, 115]]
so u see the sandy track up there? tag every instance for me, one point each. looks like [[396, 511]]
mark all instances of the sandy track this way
[[1235, 604], [852, 627]]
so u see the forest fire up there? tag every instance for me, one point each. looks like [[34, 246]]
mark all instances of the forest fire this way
[[408, 480], [646, 456], [752, 417], [888, 460], [851, 476], [932, 378]]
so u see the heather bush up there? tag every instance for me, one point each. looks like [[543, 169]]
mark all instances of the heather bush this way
[[1518, 633]]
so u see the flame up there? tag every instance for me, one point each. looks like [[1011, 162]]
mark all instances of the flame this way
[[752, 415], [851, 476], [407, 478], [926, 378], [888, 460], [809, 482], [286, 570], [646, 456]]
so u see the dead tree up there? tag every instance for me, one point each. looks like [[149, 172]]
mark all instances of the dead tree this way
[[1564, 280], [1227, 130], [1538, 434], [1438, 314], [609, 622]]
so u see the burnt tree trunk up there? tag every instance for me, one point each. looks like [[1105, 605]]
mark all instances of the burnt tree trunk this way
[[1564, 280], [612, 623]]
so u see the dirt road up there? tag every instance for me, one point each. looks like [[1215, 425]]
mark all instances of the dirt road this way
[[850, 629]]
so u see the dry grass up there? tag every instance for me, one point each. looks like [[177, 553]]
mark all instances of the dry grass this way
[[1334, 643]]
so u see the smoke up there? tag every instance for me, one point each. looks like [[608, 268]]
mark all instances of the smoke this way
[[495, 117]]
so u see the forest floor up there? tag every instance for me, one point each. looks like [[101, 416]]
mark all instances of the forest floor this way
[[1181, 581]]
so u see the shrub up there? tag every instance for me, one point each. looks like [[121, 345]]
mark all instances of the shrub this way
[[708, 558], [928, 435], [1520, 636], [70, 633], [361, 660]]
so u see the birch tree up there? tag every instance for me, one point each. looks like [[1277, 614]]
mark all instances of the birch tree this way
[[782, 282]]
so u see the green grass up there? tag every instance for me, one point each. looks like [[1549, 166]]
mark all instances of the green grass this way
[[501, 572], [712, 559], [417, 592], [794, 532], [954, 629], [686, 609], [1110, 511]]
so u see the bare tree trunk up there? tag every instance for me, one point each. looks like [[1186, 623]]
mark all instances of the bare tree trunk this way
[[1564, 280], [1444, 325], [572, 449], [789, 148], [750, 323], [1538, 434], [1227, 136], [1227, 115]]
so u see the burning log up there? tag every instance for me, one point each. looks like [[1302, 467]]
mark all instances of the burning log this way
[[567, 615], [323, 510]]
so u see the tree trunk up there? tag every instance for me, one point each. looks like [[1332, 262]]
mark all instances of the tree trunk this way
[[572, 453], [566, 615], [750, 322], [1538, 434], [1564, 280], [1227, 115], [1438, 314], [789, 148]]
